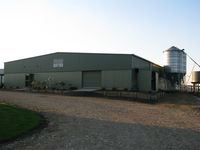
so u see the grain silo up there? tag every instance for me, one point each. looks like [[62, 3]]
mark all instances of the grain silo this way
[[175, 62]]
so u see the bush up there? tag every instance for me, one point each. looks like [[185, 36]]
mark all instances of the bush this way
[[60, 85], [103, 88], [125, 89], [73, 88], [37, 85], [114, 89]]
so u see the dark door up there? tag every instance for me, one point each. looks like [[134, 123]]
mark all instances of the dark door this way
[[91, 79], [153, 81], [29, 79]]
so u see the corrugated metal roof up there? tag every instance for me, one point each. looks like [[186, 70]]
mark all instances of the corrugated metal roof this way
[[89, 54]]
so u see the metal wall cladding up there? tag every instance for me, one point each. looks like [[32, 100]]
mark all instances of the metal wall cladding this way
[[196, 76], [69, 62], [175, 60]]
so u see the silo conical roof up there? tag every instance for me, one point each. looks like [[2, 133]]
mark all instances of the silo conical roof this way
[[173, 48]]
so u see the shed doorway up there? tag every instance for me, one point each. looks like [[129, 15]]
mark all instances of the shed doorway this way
[[91, 79], [154, 81], [29, 79]]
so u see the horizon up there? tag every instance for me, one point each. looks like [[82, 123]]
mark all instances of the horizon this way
[[140, 27]]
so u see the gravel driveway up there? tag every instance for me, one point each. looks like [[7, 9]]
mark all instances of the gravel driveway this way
[[100, 123]]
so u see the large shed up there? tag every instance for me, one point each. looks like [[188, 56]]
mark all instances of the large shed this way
[[84, 70]]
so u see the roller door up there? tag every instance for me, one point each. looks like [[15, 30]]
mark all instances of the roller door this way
[[91, 79]]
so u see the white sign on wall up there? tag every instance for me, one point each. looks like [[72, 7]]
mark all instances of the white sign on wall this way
[[57, 63]]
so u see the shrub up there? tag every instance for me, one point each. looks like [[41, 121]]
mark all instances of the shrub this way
[[73, 88], [60, 85], [39, 85], [114, 89], [125, 89], [103, 88]]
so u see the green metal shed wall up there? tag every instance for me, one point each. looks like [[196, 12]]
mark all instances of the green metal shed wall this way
[[116, 70], [110, 79], [140, 63], [69, 78], [14, 80], [71, 62], [117, 79], [144, 80]]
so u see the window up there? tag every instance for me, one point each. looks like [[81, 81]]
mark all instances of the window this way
[[57, 63]]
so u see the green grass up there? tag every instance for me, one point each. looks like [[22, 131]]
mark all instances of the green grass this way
[[16, 121]]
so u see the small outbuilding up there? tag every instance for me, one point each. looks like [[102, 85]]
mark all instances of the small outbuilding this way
[[84, 70]]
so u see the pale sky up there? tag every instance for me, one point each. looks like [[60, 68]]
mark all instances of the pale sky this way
[[142, 27]]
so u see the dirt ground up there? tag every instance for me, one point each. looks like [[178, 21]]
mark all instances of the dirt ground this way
[[100, 123]]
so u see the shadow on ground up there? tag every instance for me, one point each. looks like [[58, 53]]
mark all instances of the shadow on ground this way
[[179, 98], [65, 132]]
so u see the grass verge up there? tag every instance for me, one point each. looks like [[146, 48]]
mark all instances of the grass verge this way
[[15, 122]]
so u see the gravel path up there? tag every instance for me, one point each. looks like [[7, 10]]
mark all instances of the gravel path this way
[[97, 123]]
